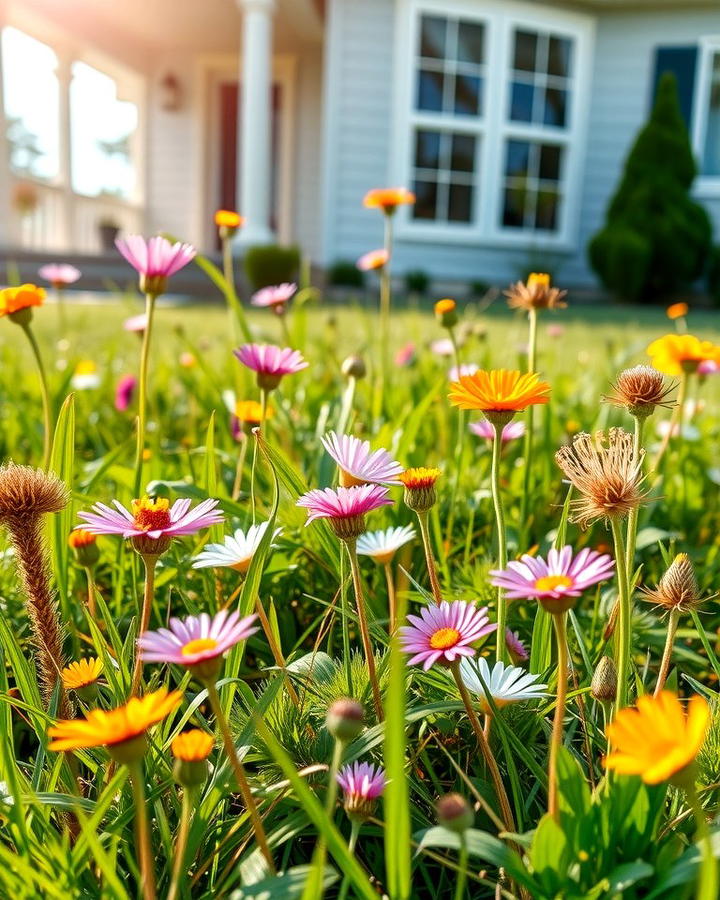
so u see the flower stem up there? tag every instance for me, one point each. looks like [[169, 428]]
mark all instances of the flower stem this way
[[633, 514], [142, 392], [528, 441], [181, 843], [462, 868], [392, 599], [347, 405], [707, 888], [355, 826], [624, 600], [667, 654], [501, 646], [237, 485], [484, 746], [150, 563], [557, 732], [142, 832], [91, 592], [276, 650], [347, 658], [44, 393], [242, 781], [675, 420], [429, 557], [364, 630]]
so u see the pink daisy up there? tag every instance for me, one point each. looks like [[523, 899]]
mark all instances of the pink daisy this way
[[362, 783], [136, 324], [443, 347], [344, 503], [405, 356], [515, 646], [560, 577], [275, 295], [708, 367], [155, 257], [196, 639], [124, 392], [270, 362], [511, 432], [59, 275], [357, 464], [375, 259], [444, 633]]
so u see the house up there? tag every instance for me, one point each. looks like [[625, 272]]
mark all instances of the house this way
[[509, 119]]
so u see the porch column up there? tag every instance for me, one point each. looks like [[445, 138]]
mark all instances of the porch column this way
[[5, 210], [66, 239], [254, 138]]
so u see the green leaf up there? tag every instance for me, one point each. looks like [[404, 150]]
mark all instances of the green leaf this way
[[62, 464], [286, 886]]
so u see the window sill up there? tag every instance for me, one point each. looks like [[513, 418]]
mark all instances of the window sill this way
[[472, 237], [707, 188]]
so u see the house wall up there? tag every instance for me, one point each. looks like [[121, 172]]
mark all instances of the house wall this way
[[361, 43]]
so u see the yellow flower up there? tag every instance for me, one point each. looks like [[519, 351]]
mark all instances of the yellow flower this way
[[250, 411], [225, 218], [107, 728], [416, 479], [192, 746], [657, 739], [677, 310], [387, 199], [674, 354], [12, 300], [499, 390], [80, 674], [85, 367]]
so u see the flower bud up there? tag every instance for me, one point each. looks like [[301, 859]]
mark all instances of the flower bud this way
[[603, 686], [191, 750], [345, 719], [454, 813], [446, 313], [354, 367], [84, 547]]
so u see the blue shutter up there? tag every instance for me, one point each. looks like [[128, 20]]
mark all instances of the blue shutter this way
[[682, 62]]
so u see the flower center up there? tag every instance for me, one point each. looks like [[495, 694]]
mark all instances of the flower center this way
[[444, 638], [552, 582], [198, 645], [151, 515], [242, 565]]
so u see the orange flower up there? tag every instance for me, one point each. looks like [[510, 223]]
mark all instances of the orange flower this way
[[225, 218], [13, 299], [677, 310], [109, 728], [416, 479], [192, 746], [657, 740], [387, 199], [445, 306], [674, 354], [373, 259], [81, 538], [81, 674], [499, 390]]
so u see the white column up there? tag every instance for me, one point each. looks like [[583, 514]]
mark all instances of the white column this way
[[66, 238], [6, 238], [255, 122]]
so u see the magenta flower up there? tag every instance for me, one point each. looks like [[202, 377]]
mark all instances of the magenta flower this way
[[153, 523], [511, 432], [155, 259], [515, 646], [405, 356], [708, 367], [270, 362], [361, 781], [197, 639], [358, 464], [277, 295], [560, 577], [444, 633], [59, 275], [124, 392], [344, 503]]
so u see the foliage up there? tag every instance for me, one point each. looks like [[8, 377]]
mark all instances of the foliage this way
[[417, 281], [267, 264], [344, 273]]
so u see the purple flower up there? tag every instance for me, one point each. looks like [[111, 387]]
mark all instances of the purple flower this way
[[151, 519], [124, 392], [156, 256], [561, 576], [444, 633], [344, 503], [59, 275], [510, 432], [357, 464], [270, 362], [276, 295], [515, 646], [196, 639], [362, 784]]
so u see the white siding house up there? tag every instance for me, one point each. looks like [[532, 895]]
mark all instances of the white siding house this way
[[509, 119]]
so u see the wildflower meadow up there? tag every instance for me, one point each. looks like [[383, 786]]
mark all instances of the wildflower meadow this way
[[305, 601]]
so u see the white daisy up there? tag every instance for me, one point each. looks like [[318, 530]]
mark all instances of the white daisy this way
[[382, 545], [505, 684], [236, 551]]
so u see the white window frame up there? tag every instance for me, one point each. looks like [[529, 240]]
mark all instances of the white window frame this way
[[492, 128], [709, 46]]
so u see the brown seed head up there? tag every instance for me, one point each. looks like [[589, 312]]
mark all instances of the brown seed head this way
[[640, 390], [678, 588], [535, 293], [27, 493], [607, 474], [603, 686]]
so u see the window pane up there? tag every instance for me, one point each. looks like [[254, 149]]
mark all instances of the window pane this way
[[431, 86], [546, 210], [460, 203], [559, 56], [427, 150], [467, 95], [555, 107], [518, 155], [711, 151], [550, 155], [524, 59], [31, 104], [425, 200], [462, 158], [470, 42], [514, 208], [433, 31], [521, 102]]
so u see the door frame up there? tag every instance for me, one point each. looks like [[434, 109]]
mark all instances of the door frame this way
[[213, 70]]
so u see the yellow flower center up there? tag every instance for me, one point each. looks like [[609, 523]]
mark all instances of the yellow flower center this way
[[444, 638], [151, 515], [198, 645], [538, 280], [550, 582], [347, 480]]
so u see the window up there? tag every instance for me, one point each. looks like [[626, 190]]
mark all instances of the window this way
[[491, 120], [710, 151], [447, 112]]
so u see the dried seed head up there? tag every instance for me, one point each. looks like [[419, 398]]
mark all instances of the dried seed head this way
[[535, 293], [678, 588], [640, 390], [603, 686], [27, 493], [606, 472]]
